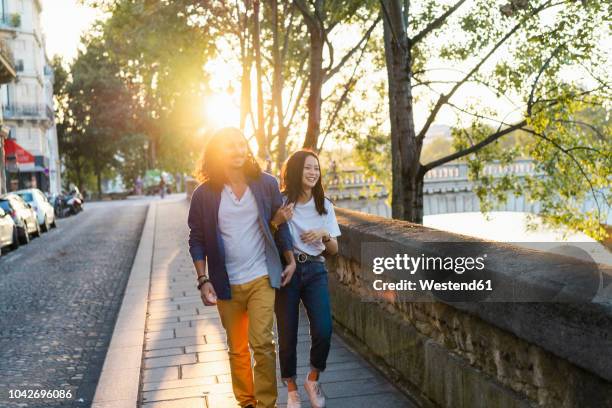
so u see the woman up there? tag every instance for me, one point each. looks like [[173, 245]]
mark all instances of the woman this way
[[313, 226]]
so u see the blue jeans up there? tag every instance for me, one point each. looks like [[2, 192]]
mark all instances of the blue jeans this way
[[309, 285]]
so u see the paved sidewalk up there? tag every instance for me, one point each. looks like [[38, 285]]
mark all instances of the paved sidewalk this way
[[185, 362]]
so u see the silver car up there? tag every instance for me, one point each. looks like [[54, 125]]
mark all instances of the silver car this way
[[39, 203]]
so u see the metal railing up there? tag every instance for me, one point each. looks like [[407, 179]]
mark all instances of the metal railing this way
[[25, 110], [459, 171]]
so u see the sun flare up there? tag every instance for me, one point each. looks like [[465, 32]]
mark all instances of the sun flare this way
[[221, 110]]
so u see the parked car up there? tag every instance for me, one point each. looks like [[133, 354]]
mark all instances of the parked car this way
[[40, 204], [23, 215], [9, 235]]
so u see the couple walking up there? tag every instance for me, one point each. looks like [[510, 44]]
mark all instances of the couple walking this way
[[257, 252]]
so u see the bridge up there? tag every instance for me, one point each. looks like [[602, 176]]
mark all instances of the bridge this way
[[447, 189]]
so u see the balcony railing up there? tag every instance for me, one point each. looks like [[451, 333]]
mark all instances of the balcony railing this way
[[50, 112], [34, 111]]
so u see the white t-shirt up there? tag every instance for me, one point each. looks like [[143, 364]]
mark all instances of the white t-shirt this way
[[306, 218], [243, 240]]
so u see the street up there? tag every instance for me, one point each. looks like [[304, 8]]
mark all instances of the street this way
[[59, 297]]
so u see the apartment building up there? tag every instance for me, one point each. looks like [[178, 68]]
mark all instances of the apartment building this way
[[32, 154], [7, 74]]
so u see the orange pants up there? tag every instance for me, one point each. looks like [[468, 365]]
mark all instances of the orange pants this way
[[248, 319]]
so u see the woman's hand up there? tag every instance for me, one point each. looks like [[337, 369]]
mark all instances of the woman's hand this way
[[208, 294], [283, 214], [312, 236]]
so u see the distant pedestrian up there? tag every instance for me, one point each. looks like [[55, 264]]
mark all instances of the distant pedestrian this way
[[162, 187], [138, 184]]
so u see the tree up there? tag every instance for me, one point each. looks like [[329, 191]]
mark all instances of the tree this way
[[161, 49], [321, 17], [538, 52], [100, 109]]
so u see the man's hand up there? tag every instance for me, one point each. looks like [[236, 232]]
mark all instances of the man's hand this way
[[283, 214], [287, 273], [208, 294], [312, 236]]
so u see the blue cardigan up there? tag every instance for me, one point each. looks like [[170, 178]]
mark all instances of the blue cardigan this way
[[205, 242]]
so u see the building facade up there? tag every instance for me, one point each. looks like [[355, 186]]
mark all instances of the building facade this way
[[27, 104], [7, 74]]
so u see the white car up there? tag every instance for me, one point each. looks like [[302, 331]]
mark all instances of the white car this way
[[8, 231], [44, 210]]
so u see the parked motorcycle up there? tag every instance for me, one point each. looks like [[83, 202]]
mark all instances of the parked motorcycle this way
[[75, 202], [67, 204]]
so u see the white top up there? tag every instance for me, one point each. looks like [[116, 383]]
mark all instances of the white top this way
[[306, 218], [245, 256]]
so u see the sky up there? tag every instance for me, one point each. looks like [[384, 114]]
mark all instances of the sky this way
[[63, 22]]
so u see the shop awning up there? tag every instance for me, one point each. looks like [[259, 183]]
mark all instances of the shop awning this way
[[16, 153]]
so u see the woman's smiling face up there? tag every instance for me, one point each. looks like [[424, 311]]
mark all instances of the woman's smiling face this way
[[311, 172]]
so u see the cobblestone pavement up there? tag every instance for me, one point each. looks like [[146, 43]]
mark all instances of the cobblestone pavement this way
[[185, 354], [59, 297]]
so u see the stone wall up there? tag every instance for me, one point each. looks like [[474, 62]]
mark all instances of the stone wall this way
[[472, 354]]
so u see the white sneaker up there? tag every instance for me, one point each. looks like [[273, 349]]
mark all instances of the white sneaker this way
[[293, 399], [315, 394]]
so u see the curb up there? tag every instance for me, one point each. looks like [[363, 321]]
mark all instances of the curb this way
[[120, 377]]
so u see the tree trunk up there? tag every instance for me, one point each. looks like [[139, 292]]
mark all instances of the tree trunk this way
[[281, 154], [277, 87], [260, 132], [407, 198], [245, 81], [79, 175], [99, 182], [316, 83]]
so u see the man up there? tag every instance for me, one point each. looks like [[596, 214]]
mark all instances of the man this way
[[230, 229]]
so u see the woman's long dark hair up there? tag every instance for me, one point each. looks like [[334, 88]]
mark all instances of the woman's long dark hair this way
[[210, 166], [291, 179]]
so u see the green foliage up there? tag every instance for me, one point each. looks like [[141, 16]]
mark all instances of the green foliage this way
[[100, 109], [545, 59], [161, 48], [525, 53], [133, 97]]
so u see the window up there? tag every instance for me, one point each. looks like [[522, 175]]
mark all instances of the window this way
[[27, 197], [6, 206]]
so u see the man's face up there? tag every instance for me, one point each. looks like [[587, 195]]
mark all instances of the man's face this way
[[234, 150]]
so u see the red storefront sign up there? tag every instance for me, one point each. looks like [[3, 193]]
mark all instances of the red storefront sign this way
[[20, 155]]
